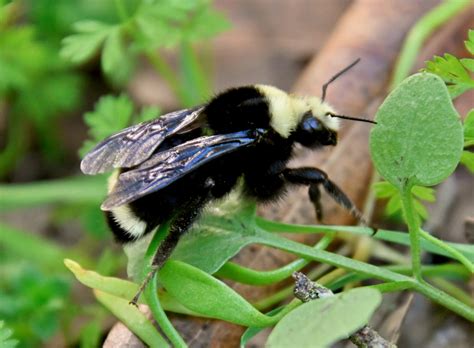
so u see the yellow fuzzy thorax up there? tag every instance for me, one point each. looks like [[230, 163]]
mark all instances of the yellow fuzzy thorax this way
[[288, 110]]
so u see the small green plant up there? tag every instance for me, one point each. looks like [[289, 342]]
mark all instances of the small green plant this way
[[418, 142], [36, 87], [455, 72], [147, 28], [6, 339], [191, 284], [112, 114]]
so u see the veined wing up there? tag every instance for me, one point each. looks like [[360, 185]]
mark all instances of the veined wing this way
[[134, 145], [165, 167]]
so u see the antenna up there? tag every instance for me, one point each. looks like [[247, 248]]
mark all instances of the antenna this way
[[325, 86], [351, 118]]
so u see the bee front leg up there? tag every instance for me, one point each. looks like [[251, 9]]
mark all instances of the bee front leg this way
[[315, 198], [315, 177], [179, 226]]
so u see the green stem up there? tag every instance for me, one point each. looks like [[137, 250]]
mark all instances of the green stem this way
[[453, 290], [193, 75], [376, 272], [391, 286], [166, 72], [413, 223], [121, 10], [249, 276], [445, 270], [456, 254], [16, 143], [444, 299], [151, 296], [386, 235], [75, 190], [287, 309], [151, 292], [420, 32], [307, 252]]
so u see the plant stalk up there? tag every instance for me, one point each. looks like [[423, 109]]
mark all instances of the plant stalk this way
[[413, 223]]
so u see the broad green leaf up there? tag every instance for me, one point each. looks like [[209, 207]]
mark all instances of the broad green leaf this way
[[120, 288], [207, 295], [322, 322], [418, 137], [132, 318], [220, 235], [115, 286], [467, 159], [252, 331], [213, 242]]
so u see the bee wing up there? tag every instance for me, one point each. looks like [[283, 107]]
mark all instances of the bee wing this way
[[135, 144], [167, 166]]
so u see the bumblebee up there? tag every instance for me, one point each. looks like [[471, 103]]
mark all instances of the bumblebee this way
[[170, 168]]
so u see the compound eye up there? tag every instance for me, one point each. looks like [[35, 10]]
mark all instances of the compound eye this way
[[310, 124], [312, 133]]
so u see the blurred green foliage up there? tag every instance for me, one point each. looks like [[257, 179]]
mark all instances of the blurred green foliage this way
[[6, 340], [52, 54], [112, 114], [36, 86]]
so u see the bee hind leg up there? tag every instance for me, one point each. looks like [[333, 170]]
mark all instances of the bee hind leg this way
[[314, 178], [179, 226]]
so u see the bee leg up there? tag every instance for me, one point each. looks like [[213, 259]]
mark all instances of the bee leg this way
[[161, 255], [315, 198], [179, 226], [315, 177]]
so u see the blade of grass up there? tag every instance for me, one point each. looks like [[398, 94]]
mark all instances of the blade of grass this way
[[132, 318], [87, 190]]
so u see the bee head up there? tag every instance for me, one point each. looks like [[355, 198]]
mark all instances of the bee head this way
[[316, 128], [311, 132]]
